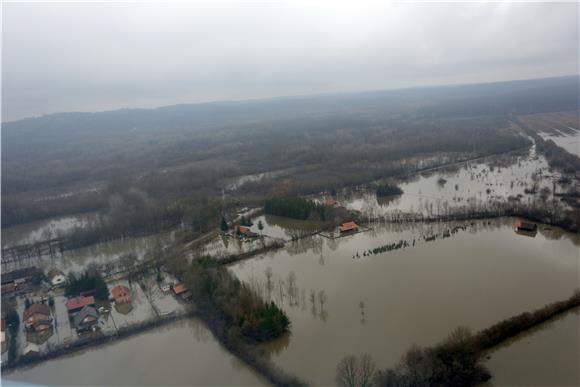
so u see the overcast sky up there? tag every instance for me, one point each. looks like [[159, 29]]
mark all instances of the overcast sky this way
[[90, 57]]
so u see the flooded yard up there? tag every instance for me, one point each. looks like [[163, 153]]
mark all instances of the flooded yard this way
[[181, 354], [275, 229], [342, 301]]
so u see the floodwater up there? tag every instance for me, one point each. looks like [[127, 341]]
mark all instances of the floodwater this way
[[181, 354], [342, 302], [275, 229], [546, 356], [102, 253], [107, 253], [472, 185], [569, 141], [44, 229]]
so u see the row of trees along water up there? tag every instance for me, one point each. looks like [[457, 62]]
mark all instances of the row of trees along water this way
[[237, 316], [456, 361]]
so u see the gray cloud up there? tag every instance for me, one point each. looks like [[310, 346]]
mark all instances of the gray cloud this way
[[88, 57]]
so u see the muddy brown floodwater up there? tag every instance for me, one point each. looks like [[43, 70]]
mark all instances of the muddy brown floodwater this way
[[180, 354], [546, 356], [470, 274]]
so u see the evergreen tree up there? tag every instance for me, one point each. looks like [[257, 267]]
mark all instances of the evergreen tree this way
[[260, 225], [224, 225]]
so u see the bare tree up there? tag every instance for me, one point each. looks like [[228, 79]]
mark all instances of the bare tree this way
[[269, 283], [367, 371], [347, 372], [291, 285], [356, 372], [312, 298]]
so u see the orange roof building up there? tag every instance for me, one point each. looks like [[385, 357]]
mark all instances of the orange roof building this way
[[348, 226], [179, 289], [121, 294], [241, 229]]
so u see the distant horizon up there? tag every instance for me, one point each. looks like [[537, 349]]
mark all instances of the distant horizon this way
[[90, 57], [333, 93]]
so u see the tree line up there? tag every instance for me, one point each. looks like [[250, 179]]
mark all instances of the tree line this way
[[215, 289], [388, 190], [456, 361], [295, 208]]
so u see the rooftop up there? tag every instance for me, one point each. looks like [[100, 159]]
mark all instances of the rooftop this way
[[79, 302], [179, 288], [348, 226], [120, 291], [36, 308]]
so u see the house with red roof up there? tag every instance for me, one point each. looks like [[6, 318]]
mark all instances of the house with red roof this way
[[243, 231], [348, 226], [76, 304], [121, 294], [179, 289], [37, 317]]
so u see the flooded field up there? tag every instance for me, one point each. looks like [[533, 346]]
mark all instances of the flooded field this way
[[44, 229], [568, 141], [469, 186], [180, 354], [342, 300], [546, 356], [103, 253], [107, 252]]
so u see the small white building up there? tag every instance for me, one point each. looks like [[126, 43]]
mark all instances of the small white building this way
[[166, 286], [56, 277]]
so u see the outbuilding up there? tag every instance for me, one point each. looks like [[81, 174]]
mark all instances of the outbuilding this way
[[179, 289], [522, 225], [348, 227], [56, 277]]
